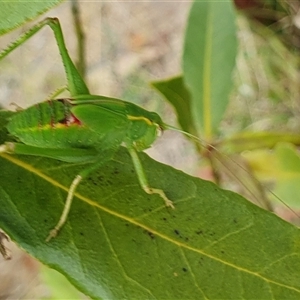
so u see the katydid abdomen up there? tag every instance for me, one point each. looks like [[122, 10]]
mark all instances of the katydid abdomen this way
[[52, 124]]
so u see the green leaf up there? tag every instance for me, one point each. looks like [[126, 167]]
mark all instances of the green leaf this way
[[120, 243], [288, 174], [58, 286], [176, 93], [208, 61], [281, 167], [15, 13]]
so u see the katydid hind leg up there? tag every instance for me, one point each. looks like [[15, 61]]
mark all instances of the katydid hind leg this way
[[63, 218], [71, 155], [76, 84], [143, 179], [71, 192]]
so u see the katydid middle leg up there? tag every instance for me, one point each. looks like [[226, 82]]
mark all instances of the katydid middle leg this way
[[143, 179]]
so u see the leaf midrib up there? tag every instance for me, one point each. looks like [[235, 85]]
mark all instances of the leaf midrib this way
[[206, 76]]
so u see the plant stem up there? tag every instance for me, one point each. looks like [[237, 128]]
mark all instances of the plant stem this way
[[80, 62]]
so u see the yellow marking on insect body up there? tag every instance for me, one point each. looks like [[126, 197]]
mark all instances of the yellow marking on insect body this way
[[48, 127], [134, 118]]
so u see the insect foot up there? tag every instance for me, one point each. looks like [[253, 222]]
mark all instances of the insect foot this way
[[63, 218], [52, 234], [7, 148], [161, 193]]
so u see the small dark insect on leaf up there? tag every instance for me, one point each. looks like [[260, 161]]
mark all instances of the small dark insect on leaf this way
[[176, 231]]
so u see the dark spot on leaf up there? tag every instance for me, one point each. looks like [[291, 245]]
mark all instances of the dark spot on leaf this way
[[186, 238], [93, 181], [222, 252], [176, 231], [199, 232], [165, 219], [234, 221], [100, 178], [151, 234], [184, 270], [81, 233]]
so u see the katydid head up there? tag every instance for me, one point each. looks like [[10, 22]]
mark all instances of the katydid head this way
[[145, 130]]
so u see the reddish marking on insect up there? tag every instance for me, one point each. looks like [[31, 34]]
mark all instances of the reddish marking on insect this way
[[70, 120], [73, 120]]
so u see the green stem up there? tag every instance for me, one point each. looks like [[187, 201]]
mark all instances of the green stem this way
[[81, 61]]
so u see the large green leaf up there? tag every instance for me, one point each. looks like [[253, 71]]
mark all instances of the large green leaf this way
[[208, 60], [15, 13], [120, 243]]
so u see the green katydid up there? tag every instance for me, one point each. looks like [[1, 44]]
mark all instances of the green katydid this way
[[82, 128]]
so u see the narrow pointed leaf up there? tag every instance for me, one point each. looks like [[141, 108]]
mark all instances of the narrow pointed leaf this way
[[208, 60]]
